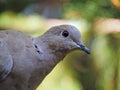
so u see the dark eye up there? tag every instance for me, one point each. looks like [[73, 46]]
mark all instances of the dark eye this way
[[65, 33]]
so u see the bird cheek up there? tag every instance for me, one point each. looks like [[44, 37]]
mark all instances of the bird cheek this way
[[72, 47]]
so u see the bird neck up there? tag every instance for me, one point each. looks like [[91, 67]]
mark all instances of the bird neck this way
[[48, 57], [48, 52], [48, 60]]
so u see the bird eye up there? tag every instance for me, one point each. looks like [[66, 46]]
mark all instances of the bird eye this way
[[65, 33]]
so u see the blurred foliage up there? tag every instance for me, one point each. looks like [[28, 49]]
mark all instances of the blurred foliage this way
[[107, 65], [14, 5], [31, 24], [98, 71], [90, 9]]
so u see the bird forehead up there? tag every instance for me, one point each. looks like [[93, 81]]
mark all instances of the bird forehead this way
[[73, 31]]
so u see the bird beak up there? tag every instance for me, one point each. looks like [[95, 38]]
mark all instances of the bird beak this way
[[83, 47]]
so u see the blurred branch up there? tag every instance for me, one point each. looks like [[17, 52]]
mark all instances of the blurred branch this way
[[107, 26]]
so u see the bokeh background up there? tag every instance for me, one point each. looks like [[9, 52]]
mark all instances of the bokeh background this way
[[99, 23]]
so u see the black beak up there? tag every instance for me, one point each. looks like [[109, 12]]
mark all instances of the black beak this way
[[83, 47]]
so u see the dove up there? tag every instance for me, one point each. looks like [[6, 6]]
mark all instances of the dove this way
[[25, 61]]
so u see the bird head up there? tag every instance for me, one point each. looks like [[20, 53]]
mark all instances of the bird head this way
[[65, 38]]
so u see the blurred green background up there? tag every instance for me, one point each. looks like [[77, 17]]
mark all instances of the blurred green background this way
[[99, 23]]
